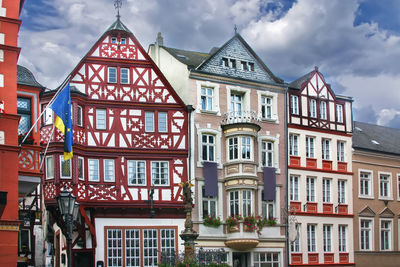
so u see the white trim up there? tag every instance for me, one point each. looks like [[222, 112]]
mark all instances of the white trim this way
[[372, 233], [277, 203], [216, 109], [90, 179], [70, 169], [81, 117], [391, 248], [390, 190], [371, 194], [246, 97], [83, 169], [274, 111], [135, 161], [151, 173], [239, 144], [104, 170], [398, 187], [52, 167], [217, 134], [275, 140]]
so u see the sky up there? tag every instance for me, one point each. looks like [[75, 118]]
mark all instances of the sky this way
[[354, 43]]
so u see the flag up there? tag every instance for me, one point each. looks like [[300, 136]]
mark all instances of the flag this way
[[62, 108]]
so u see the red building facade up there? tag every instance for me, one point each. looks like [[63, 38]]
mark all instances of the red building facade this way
[[130, 156]]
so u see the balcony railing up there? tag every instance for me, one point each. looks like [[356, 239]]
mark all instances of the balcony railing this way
[[234, 117]]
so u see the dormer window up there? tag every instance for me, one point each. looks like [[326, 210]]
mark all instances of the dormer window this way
[[229, 63], [251, 66], [113, 40], [225, 62], [244, 65], [232, 63], [123, 41]]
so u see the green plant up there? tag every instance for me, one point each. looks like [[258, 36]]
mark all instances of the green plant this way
[[261, 222], [29, 140], [271, 221], [250, 223], [232, 221], [211, 221]]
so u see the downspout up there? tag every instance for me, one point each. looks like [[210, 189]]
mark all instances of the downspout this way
[[287, 177], [190, 110]]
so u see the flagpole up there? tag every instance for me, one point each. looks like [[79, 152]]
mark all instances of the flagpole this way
[[47, 146], [48, 104]]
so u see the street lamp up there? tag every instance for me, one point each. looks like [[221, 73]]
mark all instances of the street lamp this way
[[69, 211]]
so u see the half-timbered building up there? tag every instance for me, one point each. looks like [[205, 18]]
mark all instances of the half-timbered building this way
[[129, 157], [320, 172], [238, 149]]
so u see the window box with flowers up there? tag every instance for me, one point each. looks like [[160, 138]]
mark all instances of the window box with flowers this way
[[232, 223], [250, 223], [211, 221], [28, 141]]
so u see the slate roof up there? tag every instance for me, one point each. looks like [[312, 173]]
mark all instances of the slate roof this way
[[191, 58], [376, 138], [118, 25], [25, 77], [297, 83]]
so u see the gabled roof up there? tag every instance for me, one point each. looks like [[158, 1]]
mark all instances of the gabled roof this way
[[118, 25], [367, 212], [190, 58], [376, 138], [300, 81], [25, 77]]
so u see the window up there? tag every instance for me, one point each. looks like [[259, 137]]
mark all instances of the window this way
[[112, 74], [398, 186], [101, 119], [124, 75], [244, 65], [225, 62], [295, 245], [113, 40], [339, 113], [163, 122], [311, 245], [294, 188], [132, 250], [123, 40], [94, 170], [79, 116], [236, 104], [234, 203], [326, 190], [326, 149], [322, 110], [160, 173], [267, 153], [268, 208], [311, 189], [342, 238], [365, 234], [65, 167], [149, 121], [81, 168], [310, 141], [384, 186], [150, 247], [294, 104], [266, 107], [209, 204], [232, 63], [49, 167], [233, 148], [327, 232], [246, 147], [313, 108], [48, 116], [136, 172], [109, 170], [340, 151], [365, 184], [207, 96], [246, 202], [271, 259], [386, 235], [293, 145], [114, 247], [341, 191], [208, 147], [251, 66], [24, 110]]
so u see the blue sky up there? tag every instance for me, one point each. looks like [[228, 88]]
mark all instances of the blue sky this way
[[355, 43]]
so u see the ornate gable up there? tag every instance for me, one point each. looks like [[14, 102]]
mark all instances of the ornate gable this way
[[236, 59], [316, 86], [387, 213], [367, 212]]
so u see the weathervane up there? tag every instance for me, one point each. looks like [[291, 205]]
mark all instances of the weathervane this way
[[235, 28], [117, 5]]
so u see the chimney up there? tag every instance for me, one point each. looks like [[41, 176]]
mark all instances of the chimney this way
[[159, 40]]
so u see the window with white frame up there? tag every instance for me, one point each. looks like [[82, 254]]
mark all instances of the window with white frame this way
[[65, 167], [267, 153], [149, 121], [93, 170], [340, 151], [294, 104], [384, 186], [398, 186], [49, 167], [246, 195], [251, 66], [132, 247], [366, 234], [113, 40], [79, 116], [322, 110], [225, 62], [386, 234], [326, 190], [112, 74], [208, 147], [236, 104], [268, 208], [123, 40], [294, 188], [244, 66], [266, 107], [101, 119], [293, 145], [339, 113], [160, 173], [341, 191], [326, 154], [114, 247], [24, 110], [310, 189], [207, 98], [311, 242], [313, 108], [342, 229], [272, 259], [48, 116], [136, 172], [209, 204], [327, 237], [295, 245], [246, 147], [150, 247], [234, 203], [81, 168], [310, 143], [245, 144], [365, 183], [233, 147], [162, 122], [109, 170], [124, 75]]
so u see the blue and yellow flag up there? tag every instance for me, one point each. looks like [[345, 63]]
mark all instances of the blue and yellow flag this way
[[62, 108]]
